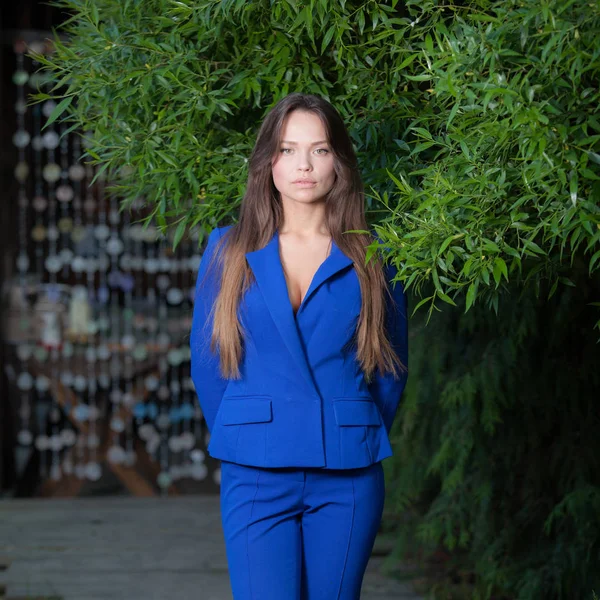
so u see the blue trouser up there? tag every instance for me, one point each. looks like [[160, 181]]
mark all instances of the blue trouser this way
[[299, 534]]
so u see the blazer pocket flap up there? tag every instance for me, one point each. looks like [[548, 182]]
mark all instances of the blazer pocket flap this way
[[356, 412], [245, 410]]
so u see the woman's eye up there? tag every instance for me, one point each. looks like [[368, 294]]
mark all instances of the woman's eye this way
[[319, 151]]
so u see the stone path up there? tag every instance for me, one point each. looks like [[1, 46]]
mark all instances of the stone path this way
[[126, 548]]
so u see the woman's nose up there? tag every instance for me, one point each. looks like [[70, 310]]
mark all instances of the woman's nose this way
[[304, 163]]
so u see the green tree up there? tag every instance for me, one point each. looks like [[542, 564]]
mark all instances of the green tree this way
[[477, 127]]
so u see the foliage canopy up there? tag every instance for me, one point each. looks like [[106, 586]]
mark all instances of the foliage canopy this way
[[477, 124]]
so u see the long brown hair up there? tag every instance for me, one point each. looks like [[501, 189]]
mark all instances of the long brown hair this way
[[261, 214]]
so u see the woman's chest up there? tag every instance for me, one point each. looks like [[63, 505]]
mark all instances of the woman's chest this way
[[329, 312], [300, 265]]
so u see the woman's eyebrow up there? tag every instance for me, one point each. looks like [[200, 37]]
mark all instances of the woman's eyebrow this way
[[312, 144]]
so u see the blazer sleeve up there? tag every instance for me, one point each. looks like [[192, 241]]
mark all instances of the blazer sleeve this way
[[205, 372], [385, 390]]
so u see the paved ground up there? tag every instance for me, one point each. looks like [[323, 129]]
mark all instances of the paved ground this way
[[125, 548]]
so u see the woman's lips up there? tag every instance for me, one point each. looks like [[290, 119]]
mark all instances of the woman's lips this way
[[304, 183]]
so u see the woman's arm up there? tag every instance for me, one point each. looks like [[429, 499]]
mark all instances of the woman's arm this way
[[204, 364], [385, 390]]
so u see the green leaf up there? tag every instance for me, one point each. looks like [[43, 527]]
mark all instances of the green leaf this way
[[533, 246], [588, 174], [453, 113], [499, 270], [446, 298], [423, 301], [327, 38], [58, 110], [500, 265], [167, 158], [95, 16], [429, 44], [490, 246], [465, 148], [566, 281], [406, 62], [482, 17], [445, 244], [423, 132], [593, 261], [594, 156], [401, 185], [423, 77], [361, 21], [471, 294], [485, 275], [553, 289], [371, 250], [573, 187], [179, 233]]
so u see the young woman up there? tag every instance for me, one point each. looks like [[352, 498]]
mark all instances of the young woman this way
[[299, 355]]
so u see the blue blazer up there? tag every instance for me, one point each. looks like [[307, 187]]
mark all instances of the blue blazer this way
[[302, 400]]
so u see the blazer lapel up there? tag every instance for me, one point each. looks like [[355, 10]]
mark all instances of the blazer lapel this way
[[268, 272], [335, 262]]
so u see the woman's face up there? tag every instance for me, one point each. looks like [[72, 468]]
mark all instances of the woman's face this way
[[303, 170]]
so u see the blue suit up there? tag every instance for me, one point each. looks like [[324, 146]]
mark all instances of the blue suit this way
[[302, 400], [301, 435]]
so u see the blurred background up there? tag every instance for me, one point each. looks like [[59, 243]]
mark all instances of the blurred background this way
[[96, 309]]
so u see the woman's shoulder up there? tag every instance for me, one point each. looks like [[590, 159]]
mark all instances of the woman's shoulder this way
[[224, 229], [218, 232], [215, 242]]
